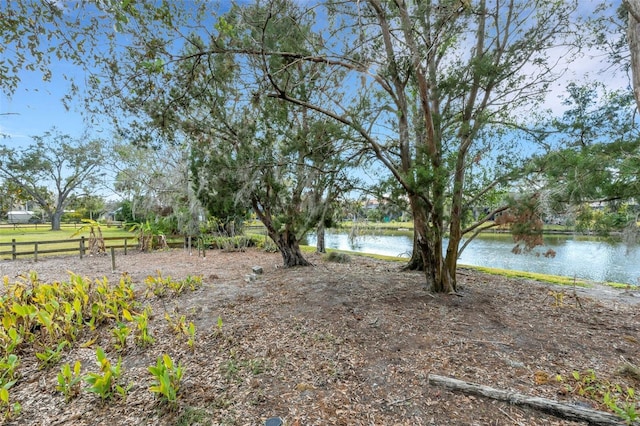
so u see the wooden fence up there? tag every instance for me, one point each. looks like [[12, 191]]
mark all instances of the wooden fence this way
[[79, 245]]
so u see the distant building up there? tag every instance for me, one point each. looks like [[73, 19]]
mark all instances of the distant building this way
[[19, 216]]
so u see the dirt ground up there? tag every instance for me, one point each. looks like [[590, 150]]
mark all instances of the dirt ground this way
[[341, 344]]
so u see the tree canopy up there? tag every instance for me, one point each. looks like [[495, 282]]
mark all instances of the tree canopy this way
[[248, 150], [275, 97], [434, 91], [52, 169]]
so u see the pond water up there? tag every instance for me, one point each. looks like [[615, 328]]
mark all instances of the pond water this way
[[575, 257]]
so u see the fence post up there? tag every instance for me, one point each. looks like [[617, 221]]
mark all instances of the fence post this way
[[13, 249], [35, 252], [125, 246], [113, 259], [81, 247]]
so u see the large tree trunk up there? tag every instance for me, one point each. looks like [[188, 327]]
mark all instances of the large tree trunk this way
[[290, 250], [429, 243], [56, 218], [415, 263], [286, 240]]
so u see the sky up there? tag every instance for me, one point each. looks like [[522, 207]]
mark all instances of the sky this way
[[36, 106]]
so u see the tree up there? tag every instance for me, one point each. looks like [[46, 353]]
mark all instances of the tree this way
[[52, 169], [89, 206], [593, 155], [285, 162], [437, 84], [431, 89]]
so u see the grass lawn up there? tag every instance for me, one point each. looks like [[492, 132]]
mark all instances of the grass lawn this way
[[45, 237]]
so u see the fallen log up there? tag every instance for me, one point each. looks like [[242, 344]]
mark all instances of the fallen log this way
[[571, 412]]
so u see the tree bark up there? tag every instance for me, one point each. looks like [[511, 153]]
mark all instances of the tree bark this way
[[633, 36], [320, 241], [285, 240], [415, 263], [543, 404], [429, 243], [290, 250], [56, 218]]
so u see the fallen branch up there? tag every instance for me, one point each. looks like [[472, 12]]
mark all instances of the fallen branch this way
[[594, 417]]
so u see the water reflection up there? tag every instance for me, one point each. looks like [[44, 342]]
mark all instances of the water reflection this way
[[585, 259]]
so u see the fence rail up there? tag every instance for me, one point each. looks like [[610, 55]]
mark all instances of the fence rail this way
[[80, 245]]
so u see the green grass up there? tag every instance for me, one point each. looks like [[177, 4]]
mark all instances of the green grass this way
[[377, 225], [43, 234], [546, 278], [553, 279]]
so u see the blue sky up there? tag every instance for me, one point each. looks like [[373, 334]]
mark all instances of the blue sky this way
[[36, 106]]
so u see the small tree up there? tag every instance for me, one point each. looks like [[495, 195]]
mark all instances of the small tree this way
[[52, 169]]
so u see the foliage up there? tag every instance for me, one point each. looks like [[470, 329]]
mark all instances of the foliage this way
[[606, 219], [47, 318], [7, 408], [159, 286], [593, 156], [87, 206], [106, 382], [167, 377], [625, 410], [334, 256], [235, 243], [150, 235], [51, 356], [442, 86], [142, 335], [69, 380], [120, 333], [285, 162], [154, 179], [619, 399], [54, 159]]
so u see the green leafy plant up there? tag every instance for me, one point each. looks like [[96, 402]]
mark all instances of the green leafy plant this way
[[120, 334], [142, 336], [11, 339], [179, 325], [625, 410], [157, 285], [337, 257], [7, 409], [96, 240], [8, 368], [191, 335], [230, 368], [160, 286], [69, 380], [150, 235], [106, 382], [193, 282], [166, 379], [610, 395], [219, 324], [182, 328], [51, 356]]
